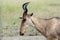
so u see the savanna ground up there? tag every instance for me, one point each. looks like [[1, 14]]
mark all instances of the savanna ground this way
[[11, 10]]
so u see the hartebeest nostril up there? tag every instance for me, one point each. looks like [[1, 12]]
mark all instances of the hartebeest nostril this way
[[21, 34]]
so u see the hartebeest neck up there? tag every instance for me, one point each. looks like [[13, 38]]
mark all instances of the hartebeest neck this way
[[39, 24]]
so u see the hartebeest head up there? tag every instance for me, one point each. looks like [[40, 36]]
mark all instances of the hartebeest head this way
[[25, 18]]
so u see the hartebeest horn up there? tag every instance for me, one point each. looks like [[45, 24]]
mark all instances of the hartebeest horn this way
[[24, 6]]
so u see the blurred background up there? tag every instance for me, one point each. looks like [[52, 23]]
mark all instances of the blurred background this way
[[11, 10]]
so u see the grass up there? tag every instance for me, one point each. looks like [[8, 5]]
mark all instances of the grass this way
[[11, 10]]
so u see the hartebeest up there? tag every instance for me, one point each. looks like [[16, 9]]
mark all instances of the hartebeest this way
[[50, 28]]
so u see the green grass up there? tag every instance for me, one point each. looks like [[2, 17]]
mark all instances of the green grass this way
[[11, 10]]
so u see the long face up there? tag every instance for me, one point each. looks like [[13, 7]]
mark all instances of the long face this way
[[25, 23], [26, 19]]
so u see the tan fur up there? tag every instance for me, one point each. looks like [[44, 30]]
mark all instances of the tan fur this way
[[48, 28]]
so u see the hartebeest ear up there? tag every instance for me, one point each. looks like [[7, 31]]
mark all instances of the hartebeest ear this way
[[21, 17], [31, 14]]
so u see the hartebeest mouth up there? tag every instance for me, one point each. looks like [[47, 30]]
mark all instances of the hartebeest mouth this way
[[50, 28]]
